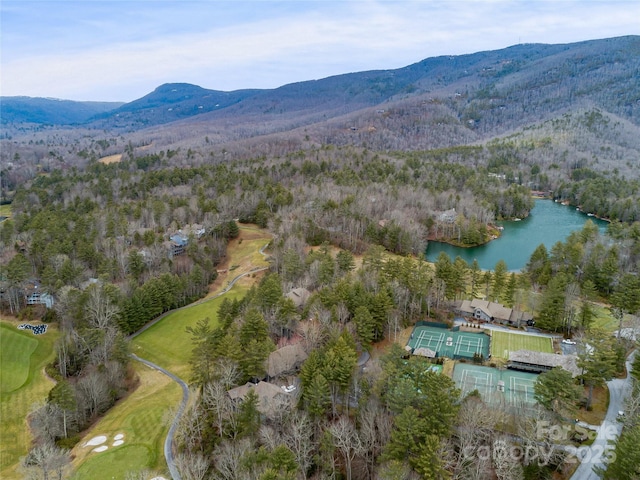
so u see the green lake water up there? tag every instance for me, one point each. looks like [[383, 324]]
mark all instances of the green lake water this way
[[548, 223]]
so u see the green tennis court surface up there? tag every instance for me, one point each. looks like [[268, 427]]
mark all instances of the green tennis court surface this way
[[447, 343], [496, 386], [504, 342]]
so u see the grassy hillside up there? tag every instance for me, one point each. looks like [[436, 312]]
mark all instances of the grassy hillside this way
[[5, 210], [15, 356], [24, 384], [167, 343], [143, 418]]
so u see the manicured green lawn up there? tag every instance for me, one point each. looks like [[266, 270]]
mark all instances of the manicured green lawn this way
[[115, 463], [604, 319], [503, 342], [15, 357], [250, 250], [23, 385], [143, 418], [168, 344], [5, 210]]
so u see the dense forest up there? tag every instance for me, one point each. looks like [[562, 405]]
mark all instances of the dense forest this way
[[98, 239]]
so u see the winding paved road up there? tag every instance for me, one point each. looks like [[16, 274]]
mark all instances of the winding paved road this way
[[600, 451], [168, 443]]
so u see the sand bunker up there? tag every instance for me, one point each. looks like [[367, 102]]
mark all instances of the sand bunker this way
[[158, 478], [99, 440]]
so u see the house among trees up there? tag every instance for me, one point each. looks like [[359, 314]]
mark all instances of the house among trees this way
[[285, 360], [538, 362], [299, 296], [270, 396], [178, 241], [34, 295], [493, 312], [177, 244], [448, 216]]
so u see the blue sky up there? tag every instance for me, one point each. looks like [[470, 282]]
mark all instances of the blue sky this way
[[120, 50]]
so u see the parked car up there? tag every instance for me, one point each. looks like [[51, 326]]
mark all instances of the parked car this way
[[568, 341]]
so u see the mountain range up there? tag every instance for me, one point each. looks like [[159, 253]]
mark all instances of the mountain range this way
[[440, 101]]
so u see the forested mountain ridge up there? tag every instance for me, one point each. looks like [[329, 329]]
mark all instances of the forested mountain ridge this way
[[170, 102], [487, 91], [50, 111]]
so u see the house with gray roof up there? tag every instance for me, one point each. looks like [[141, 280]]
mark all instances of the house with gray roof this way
[[487, 311], [538, 362], [270, 396], [285, 360]]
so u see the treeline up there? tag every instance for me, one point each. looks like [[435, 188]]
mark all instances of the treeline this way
[[80, 225], [90, 370], [614, 196], [584, 268], [626, 456]]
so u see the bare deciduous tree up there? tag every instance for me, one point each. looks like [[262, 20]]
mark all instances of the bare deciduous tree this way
[[228, 459], [312, 334], [506, 460], [46, 461], [227, 372], [216, 401], [298, 437], [375, 426], [347, 441], [191, 427], [47, 422], [192, 466], [94, 393]]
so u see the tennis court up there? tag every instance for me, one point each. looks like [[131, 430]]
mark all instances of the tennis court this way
[[495, 385], [504, 342], [447, 343]]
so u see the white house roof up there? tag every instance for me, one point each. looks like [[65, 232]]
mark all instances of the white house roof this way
[[424, 352]]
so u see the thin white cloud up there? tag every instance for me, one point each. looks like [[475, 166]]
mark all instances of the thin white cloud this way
[[297, 44]]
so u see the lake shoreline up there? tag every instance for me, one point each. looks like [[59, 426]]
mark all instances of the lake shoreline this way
[[548, 223]]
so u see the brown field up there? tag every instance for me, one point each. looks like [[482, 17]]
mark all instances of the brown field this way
[[111, 159], [243, 255]]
